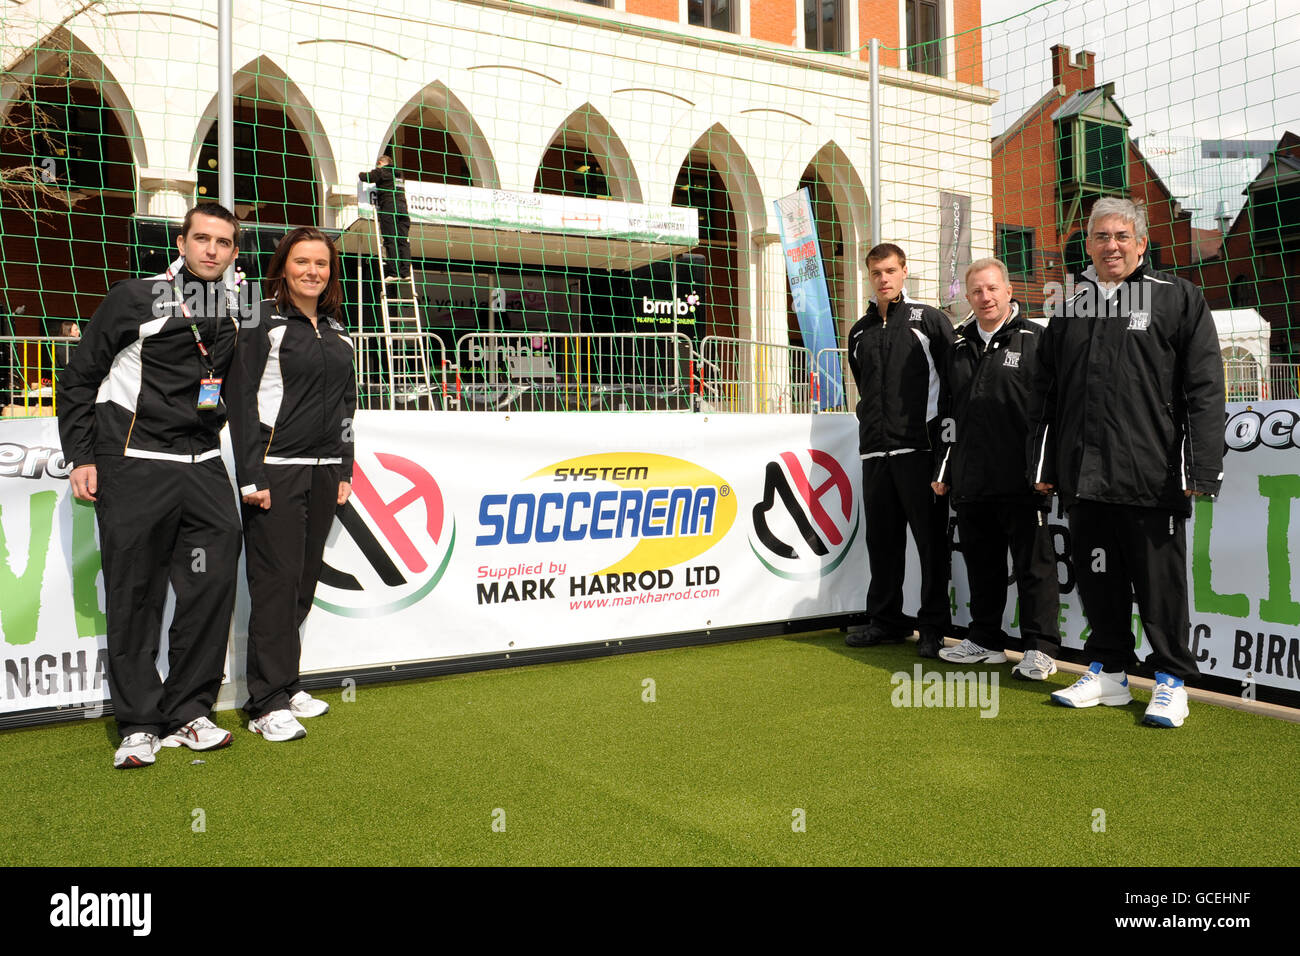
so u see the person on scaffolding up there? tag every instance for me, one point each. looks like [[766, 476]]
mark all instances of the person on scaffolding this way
[[394, 220]]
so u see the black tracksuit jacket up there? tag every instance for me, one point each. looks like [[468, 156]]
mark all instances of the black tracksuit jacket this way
[[390, 190], [896, 361], [986, 395], [131, 387], [293, 396], [1128, 402]]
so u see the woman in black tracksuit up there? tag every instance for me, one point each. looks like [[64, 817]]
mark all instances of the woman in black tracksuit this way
[[293, 400]]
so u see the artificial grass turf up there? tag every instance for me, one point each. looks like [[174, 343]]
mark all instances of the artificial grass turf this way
[[583, 770]]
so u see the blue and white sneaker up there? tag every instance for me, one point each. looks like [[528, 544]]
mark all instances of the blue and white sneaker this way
[[1168, 707], [1095, 687]]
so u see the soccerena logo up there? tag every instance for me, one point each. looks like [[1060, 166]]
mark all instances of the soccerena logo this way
[[808, 519], [22, 461], [668, 509], [396, 543], [1248, 429]]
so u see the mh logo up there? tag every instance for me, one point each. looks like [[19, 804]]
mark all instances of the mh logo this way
[[395, 543], [807, 522]]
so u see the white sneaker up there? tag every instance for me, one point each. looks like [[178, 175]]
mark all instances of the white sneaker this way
[[968, 652], [1095, 687], [1168, 707], [1035, 665], [199, 734], [303, 704], [278, 726], [136, 750]]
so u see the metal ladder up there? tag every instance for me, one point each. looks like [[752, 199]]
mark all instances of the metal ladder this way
[[406, 358]]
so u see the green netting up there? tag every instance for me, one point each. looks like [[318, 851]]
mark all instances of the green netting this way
[[591, 189]]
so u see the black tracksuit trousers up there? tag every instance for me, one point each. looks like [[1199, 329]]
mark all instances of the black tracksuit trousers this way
[[987, 530], [896, 495], [159, 522], [1122, 550], [283, 547], [395, 230]]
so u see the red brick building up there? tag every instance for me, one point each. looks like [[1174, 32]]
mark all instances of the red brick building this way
[[1051, 165], [1259, 264], [928, 26]]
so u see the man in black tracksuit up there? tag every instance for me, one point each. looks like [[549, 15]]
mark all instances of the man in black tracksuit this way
[[1127, 412], [894, 353], [140, 412], [984, 402], [393, 217]]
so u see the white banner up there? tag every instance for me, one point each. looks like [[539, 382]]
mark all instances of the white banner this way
[[486, 533], [1243, 556], [480, 533], [447, 204]]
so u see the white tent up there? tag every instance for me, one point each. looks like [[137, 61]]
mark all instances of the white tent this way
[[1243, 339]]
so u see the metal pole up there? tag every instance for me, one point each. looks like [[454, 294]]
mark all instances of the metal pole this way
[[225, 107], [877, 236], [225, 114], [677, 357]]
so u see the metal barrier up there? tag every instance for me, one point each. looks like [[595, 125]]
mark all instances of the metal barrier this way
[[1245, 381], [376, 355], [746, 375], [552, 371], [29, 367], [1283, 382], [825, 359], [594, 372]]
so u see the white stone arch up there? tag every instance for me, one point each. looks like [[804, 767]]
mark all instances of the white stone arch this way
[[263, 80], [853, 209], [46, 59], [744, 190], [589, 125], [723, 152], [461, 124]]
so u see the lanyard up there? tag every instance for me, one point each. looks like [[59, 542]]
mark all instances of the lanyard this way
[[174, 275], [198, 337]]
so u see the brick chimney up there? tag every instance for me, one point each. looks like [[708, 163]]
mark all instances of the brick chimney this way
[[1075, 75]]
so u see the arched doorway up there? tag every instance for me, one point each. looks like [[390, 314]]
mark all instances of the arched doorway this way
[[275, 177], [68, 174], [586, 158], [701, 186], [831, 243]]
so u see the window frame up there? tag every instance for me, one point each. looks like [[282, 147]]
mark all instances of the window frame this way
[[733, 16], [935, 54], [841, 26], [1025, 253]]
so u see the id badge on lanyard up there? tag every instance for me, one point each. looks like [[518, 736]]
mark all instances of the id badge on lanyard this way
[[209, 393], [210, 385]]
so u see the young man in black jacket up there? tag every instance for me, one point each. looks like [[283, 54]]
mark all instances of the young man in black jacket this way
[[140, 415], [1128, 411], [895, 352], [984, 401]]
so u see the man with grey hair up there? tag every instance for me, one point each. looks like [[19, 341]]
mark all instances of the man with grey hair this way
[[1127, 416], [986, 384]]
